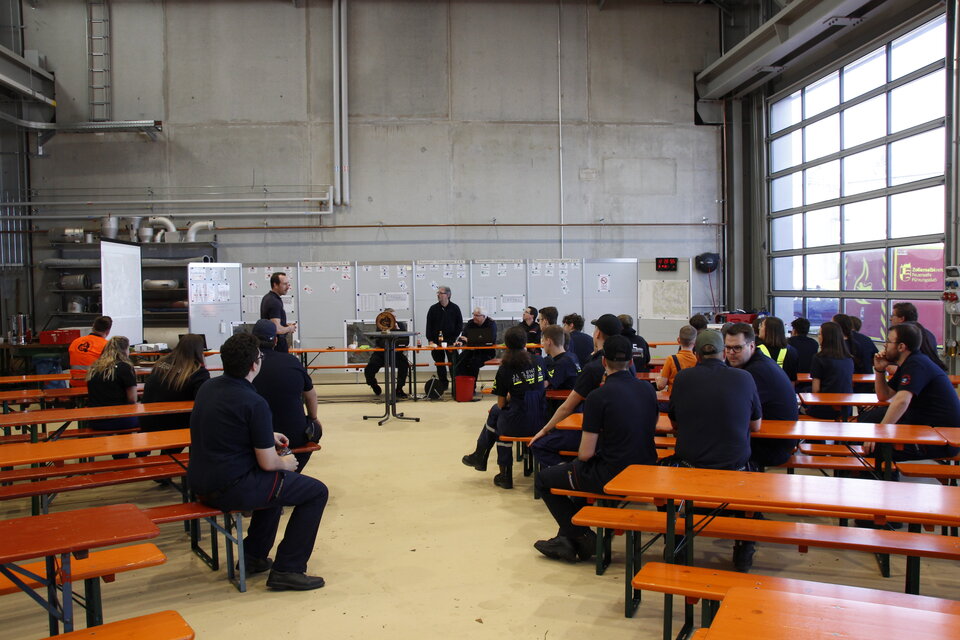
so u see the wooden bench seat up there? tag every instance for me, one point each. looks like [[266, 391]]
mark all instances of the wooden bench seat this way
[[942, 472], [80, 468], [165, 625], [46, 488], [98, 565], [802, 534], [830, 449], [181, 512], [826, 463], [711, 585], [66, 433]]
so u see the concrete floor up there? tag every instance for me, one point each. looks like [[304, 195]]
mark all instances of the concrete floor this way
[[415, 545]]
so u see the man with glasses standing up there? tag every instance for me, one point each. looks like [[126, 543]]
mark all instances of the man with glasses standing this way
[[443, 319], [271, 308]]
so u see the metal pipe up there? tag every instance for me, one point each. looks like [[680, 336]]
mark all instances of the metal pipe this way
[[194, 215], [114, 203], [344, 108], [335, 21], [167, 223], [198, 226], [560, 115]]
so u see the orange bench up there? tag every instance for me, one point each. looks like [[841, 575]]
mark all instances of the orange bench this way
[[166, 625], [105, 565], [81, 468]]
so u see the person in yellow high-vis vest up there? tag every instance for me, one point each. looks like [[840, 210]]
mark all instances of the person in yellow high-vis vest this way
[[773, 344]]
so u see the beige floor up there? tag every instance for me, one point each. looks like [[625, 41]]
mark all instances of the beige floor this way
[[415, 545]]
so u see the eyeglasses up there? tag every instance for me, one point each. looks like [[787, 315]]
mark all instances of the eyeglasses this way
[[734, 348], [889, 342]]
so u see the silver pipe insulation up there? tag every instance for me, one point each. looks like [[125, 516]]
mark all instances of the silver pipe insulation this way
[[194, 215], [335, 22], [200, 225], [344, 109]]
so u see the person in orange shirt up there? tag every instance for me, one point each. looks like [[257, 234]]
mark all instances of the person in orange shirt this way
[[85, 350], [683, 359]]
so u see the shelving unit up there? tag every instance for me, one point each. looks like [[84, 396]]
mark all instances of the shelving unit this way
[[160, 261]]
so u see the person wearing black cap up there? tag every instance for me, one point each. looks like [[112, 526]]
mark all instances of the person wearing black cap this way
[[641, 350], [590, 378], [619, 420], [713, 409], [235, 466], [286, 386]]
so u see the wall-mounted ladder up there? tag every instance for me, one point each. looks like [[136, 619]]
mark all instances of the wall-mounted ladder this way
[[99, 62]]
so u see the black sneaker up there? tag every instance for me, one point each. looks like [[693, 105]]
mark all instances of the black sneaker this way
[[559, 548], [586, 545], [256, 565], [475, 460], [743, 555], [504, 480], [289, 581], [376, 389]]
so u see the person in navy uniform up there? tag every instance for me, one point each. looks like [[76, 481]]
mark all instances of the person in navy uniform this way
[[271, 308], [713, 409], [641, 350], [919, 392], [471, 361], [532, 327], [286, 386], [377, 361], [581, 344], [778, 400], [805, 346], [520, 408], [619, 421], [235, 466], [562, 373]]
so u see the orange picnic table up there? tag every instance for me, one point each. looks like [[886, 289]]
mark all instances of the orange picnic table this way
[[66, 534], [32, 418], [842, 399], [26, 453], [34, 378], [765, 613], [574, 422]]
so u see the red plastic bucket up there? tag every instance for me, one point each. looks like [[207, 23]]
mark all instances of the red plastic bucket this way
[[464, 388]]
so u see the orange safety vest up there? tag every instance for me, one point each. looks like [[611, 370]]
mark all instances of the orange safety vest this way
[[84, 351]]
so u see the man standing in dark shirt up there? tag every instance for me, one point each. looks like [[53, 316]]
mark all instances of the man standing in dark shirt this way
[[619, 421], [714, 408], [235, 466], [580, 343], [531, 327], [919, 393], [443, 319], [271, 308], [806, 346], [778, 399], [286, 386]]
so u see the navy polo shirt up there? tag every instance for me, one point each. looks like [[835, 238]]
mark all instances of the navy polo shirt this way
[[806, 347], [624, 414], [934, 402], [229, 420], [778, 398], [835, 374], [713, 405], [582, 345], [271, 306], [281, 382], [862, 348], [591, 376], [562, 371]]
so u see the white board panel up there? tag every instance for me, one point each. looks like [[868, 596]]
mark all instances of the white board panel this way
[[122, 295], [382, 285], [327, 295], [664, 302], [609, 286], [555, 282], [499, 286]]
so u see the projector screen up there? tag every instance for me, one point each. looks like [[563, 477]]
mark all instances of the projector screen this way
[[122, 294]]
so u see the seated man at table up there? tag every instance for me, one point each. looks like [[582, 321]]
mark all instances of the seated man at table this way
[[907, 312], [591, 376], [377, 361], [778, 400], [713, 409], [919, 392], [562, 372], [234, 466], [641, 350], [286, 386], [580, 344], [684, 358], [470, 360], [619, 421]]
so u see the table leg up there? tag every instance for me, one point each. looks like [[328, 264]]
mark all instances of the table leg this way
[[67, 592], [912, 582], [668, 556]]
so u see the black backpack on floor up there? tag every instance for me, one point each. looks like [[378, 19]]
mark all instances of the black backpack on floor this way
[[433, 389]]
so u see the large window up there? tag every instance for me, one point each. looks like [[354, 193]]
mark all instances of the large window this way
[[856, 187]]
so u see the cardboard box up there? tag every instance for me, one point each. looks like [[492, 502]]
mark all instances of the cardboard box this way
[[59, 336]]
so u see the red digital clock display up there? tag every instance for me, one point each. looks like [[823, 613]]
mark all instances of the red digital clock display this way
[[666, 264]]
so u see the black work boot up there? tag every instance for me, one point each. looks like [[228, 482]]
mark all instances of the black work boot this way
[[504, 479], [477, 459]]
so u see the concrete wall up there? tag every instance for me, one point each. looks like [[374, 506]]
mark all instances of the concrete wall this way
[[453, 118]]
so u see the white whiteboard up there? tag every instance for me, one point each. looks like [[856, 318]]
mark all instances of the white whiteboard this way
[[556, 283], [499, 286], [382, 285], [327, 296], [610, 286], [122, 296]]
